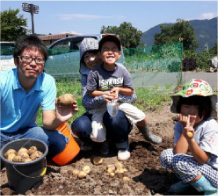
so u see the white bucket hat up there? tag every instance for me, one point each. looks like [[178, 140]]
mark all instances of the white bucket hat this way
[[192, 88]]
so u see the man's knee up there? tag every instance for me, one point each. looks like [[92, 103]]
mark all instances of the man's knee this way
[[57, 143]]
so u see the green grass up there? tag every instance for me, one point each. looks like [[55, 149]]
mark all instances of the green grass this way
[[147, 98]]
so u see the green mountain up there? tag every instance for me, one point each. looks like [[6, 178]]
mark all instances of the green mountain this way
[[205, 31]]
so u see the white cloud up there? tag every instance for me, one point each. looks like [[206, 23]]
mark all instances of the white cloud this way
[[204, 16], [73, 32], [86, 17], [208, 15]]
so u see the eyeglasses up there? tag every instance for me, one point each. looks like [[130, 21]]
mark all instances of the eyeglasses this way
[[110, 49], [29, 59]]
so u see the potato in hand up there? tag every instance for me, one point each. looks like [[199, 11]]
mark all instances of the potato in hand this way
[[189, 134], [66, 100]]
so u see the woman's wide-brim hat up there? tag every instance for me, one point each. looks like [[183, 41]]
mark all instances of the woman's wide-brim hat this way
[[196, 87]]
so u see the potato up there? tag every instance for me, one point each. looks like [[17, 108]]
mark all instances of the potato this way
[[189, 134], [17, 159], [97, 160], [110, 170], [111, 174], [32, 149], [82, 174], [22, 150], [111, 167], [66, 100], [119, 171], [118, 165], [75, 172], [11, 156], [86, 169], [24, 155], [9, 152], [26, 160], [36, 155], [125, 178]]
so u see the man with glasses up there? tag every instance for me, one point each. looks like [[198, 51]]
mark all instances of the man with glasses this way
[[24, 90]]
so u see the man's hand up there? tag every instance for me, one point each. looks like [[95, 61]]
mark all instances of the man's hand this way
[[65, 113]]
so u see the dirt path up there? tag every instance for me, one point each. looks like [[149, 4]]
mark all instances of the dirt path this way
[[143, 168]]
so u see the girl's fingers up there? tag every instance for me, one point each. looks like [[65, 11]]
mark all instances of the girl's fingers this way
[[192, 120], [188, 121]]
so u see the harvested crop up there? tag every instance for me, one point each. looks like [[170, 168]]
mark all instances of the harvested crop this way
[[97, 160], [17, 159], [36, 155], [66, 100], [118, 165], [112, 174], [26, 160], [11, 156], [126, 179], [75, 172], [21, 150], [24, 155], [189, 134], [10, 151], [82, 174], [86, 169], [32, 149]]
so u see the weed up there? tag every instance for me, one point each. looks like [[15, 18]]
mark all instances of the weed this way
[[150, 98]]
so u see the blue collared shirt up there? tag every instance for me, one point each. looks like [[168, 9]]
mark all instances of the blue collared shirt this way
[[18, 108]]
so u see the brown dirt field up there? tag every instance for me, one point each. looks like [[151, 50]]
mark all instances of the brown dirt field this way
[[143, 168]]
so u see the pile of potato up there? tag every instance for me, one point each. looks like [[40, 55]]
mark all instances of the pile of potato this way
[[23, 154], [82, 174], [116, 168]]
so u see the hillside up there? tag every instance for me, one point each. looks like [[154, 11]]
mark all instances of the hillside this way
[[205, 30]]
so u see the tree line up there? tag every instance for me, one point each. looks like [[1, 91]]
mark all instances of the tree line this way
[[13, 24]]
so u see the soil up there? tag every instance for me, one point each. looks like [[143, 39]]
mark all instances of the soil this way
[[143, 168]]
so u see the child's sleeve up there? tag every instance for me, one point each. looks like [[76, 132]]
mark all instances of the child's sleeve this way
[[177, 131], [127, 98], [83, 83], [209, 141], [92, 103], [91, 81], [127, 79]]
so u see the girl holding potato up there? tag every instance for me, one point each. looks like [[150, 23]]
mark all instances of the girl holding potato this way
[[194, 157]]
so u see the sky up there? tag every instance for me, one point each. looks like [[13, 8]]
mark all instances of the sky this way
[[87, 17]]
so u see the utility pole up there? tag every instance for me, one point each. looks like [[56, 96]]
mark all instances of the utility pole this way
[[32, 9]]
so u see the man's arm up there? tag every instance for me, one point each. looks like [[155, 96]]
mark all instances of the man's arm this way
[[53, 119], [53, 115]]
